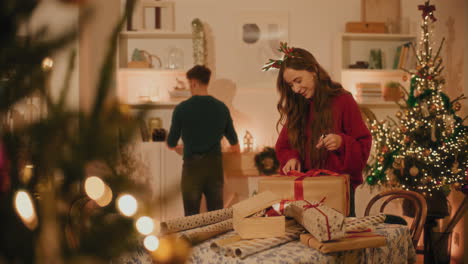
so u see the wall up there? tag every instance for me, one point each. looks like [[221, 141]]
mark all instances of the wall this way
[[58, 18], [94, 42]]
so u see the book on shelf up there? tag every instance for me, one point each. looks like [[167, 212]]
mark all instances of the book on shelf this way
[[403, 57]]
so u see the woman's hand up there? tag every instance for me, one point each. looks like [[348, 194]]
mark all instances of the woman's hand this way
[[330, 142], [292, 164]]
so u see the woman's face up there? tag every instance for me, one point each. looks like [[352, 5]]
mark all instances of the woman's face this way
[[300, 81]]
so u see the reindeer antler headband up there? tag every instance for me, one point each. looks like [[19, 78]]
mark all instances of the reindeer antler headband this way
[[288, 53]]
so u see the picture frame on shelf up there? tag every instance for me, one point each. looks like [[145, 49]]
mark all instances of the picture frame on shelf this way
[[153, 16], [386, 11]]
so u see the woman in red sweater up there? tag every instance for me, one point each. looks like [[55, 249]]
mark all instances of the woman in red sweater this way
[[322, 123]]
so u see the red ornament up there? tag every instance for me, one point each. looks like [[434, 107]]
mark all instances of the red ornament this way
[[407, 139], [429, 77], [385, 149], [405, 78]]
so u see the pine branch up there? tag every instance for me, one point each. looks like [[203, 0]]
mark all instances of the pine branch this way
[[460, 97], [440, 47], [415, 53], [66, 83]]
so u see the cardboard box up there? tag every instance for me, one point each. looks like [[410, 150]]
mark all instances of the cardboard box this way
[[335, 189], [258, 227], [365, 27]]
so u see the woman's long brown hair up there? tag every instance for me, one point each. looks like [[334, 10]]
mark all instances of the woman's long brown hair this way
[[294, 108]]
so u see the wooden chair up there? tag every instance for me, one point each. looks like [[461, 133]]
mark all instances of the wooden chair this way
[[418, 202]]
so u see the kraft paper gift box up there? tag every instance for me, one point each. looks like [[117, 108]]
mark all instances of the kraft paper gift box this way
[[258, 227], [312, 186], [351, 242], [323, 222]]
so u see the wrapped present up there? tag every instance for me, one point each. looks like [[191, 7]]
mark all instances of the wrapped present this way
[[257, 227], [323, 222], [351, 242], [312, 186]]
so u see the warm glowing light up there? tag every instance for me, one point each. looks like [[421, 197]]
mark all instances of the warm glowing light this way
[[127, 205], [25, 209], [47, 63], [94, 187], [106, 198], [151, 243], [27, 173], [145, 225]]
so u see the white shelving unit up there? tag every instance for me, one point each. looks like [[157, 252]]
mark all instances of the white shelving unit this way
[[155, 42], [354, 47]]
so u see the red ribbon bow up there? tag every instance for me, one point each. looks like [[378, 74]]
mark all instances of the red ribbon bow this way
[[298, 186], [427, 11], [315, 206]]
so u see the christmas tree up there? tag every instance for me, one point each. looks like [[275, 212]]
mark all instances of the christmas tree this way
[[424, 149], [52, 209]]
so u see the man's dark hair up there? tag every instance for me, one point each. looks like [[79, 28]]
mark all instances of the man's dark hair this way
[[200, 73]]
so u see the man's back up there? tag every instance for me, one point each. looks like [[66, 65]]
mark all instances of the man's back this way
[[201, 121]]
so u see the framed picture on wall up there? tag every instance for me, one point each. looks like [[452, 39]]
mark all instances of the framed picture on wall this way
[[258, 35]]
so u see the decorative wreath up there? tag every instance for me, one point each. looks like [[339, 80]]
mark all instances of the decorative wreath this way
[[266, 162]]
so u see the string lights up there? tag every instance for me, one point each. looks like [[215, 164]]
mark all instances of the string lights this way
[[425, 150]]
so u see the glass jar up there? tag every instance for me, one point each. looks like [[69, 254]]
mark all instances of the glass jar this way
[[175, 59]]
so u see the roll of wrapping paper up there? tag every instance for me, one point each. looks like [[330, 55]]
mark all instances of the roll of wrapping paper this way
[[197, 235], [363, 223], [219, 246], [194, 221], [351, 242], [244, 248]]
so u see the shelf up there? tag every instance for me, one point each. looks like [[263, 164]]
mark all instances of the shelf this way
[[150, 71], [379, 71], [157, 105], [154, 35], [378, 104], [376, 36]]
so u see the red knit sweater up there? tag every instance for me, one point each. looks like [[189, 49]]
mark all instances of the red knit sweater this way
[[353, 153]]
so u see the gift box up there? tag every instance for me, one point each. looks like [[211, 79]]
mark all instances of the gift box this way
[[323, 222], [248, 226], [351, 242], [311, 186]]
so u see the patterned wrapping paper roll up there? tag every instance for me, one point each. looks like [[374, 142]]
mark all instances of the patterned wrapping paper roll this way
[[363, 223], [218, 246], [193, 221], [244, 248], [197, 235]]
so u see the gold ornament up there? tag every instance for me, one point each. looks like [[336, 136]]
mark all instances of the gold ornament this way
[[414, 171], [405, 78], [398, 114], [397, 164], [455, 168], [457, 185], [402, 95], [457, 106], [381, 159], [426, 152]]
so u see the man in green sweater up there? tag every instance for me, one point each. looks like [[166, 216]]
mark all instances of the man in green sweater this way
[[201, 121]]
